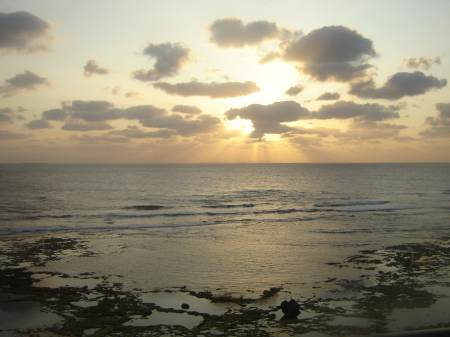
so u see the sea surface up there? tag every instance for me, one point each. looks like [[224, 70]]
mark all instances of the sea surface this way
[[237, 227]]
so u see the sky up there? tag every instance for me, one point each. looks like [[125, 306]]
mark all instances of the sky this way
[[210, 81]]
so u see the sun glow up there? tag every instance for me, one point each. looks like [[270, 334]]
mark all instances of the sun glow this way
[[272, 137], [243, 125]]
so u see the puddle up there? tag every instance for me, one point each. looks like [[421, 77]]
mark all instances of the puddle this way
[[435, 314], [166, 318], [352, 321], [49, 281], [174, 300], [25, 315]]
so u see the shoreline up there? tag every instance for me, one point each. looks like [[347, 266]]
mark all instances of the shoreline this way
[[395, 284]]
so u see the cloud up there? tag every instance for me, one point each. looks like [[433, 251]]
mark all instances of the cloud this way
[[76, 126], [439, 126], [6, 135], [331, 53], [329, 96], [233, 33], [295, 90], [421, 62], [170, 59], [26, 81], [94, 111], [133, 94], [185, 127], [38, 124], [267, 119], [397, 86], [213, 89], [187, 109], [364, 112], [369, 130], [137, 133], [6, 115], [143, 112], [92, 67], [54, 115], [24, 32]]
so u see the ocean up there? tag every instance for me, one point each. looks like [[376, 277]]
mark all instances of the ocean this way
[[233, 226]]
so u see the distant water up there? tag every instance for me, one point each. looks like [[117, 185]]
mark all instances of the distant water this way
[[294, 214]]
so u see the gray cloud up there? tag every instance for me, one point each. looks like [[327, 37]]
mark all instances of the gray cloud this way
[[331, 53], [137, 133], [26, 81], [92, 67], [185, 127], [421, 62], [439, 126], [364, 112], [397, 86], [23, 32], [170, 59], [54, 115], [295, 90], [267, 119], [233, 33], [329, 96], [187, 109], [133, 94], [369, 130], [143, 112], [6, 115], [83, 127], [94, 111], [6, 135], [213, 90], [38, 124]]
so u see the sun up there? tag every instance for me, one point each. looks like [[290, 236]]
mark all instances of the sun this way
[[243, 125]]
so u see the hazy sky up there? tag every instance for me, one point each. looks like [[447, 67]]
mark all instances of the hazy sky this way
[[173, 81]]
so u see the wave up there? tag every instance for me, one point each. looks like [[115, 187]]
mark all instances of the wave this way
[[145, 207], [229, 206], [352, 204]]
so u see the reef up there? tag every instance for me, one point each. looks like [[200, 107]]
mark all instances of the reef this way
[[402, 277]]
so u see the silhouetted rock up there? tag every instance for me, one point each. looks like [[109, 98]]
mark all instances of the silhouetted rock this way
[[291, 309], [185, 306]]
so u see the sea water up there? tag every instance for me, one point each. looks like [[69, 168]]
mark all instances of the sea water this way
[[236, 227]]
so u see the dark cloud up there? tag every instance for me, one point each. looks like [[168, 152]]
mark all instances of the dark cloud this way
[[233, 33], [6, 115], [295, 90], [187, 109], [26, 81], [439, 126], [267, 119], [38, 124], [397, 86], [346, 110], [93, 68], [54, 115], [331, 53], [23, 32], [213, 89], [75, 126], [6, 135], [170, 59], [421, 62], [329, 96]]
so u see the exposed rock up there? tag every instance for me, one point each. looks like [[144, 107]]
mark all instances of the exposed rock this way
[[291, 309], [185, 306]]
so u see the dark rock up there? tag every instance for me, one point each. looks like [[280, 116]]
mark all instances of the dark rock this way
[[291, 309], [185, 306]]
